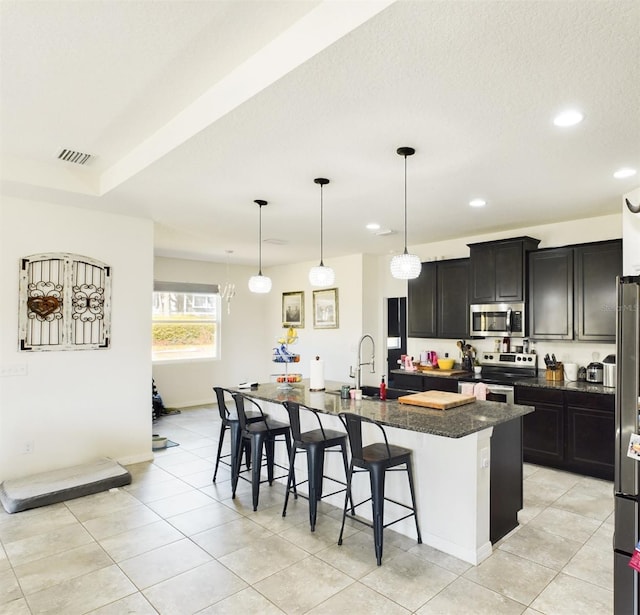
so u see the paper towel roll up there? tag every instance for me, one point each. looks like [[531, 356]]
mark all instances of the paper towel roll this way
[[316, 375]]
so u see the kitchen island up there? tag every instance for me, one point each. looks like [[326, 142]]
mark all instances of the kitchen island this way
[[467, 460]]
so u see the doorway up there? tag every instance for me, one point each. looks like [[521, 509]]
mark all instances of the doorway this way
[[396, 334]]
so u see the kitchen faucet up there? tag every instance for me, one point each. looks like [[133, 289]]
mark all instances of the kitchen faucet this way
[[358, 371]]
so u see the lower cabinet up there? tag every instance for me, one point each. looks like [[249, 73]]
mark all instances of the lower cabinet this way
[[543, 437], [569, 430], [425, 383], [591, 434]]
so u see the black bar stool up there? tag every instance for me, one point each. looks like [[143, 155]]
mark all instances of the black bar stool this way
[[262, 434], [229, 420], [314, 443], [376, 459]]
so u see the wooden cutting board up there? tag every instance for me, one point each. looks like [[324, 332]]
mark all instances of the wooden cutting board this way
[[442, 372], [440, 400]]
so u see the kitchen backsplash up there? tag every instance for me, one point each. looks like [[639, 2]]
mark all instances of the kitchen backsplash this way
[[581, 353]]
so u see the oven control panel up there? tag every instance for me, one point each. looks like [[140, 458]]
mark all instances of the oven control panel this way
[[510, 359]]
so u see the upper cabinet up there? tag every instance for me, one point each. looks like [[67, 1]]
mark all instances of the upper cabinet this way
[[572, 292], [498, 270], [422, 303], [596, 267], [551, 294], [438, 300]]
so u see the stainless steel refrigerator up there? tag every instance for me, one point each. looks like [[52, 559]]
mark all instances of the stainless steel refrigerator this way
[[627, 470]]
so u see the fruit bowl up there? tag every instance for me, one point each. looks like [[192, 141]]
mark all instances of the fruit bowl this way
[[445, 363]]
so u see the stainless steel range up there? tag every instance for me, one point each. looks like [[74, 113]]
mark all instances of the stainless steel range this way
[[507, 366], [499, 371]]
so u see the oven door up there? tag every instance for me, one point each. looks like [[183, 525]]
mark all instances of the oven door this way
[[501, 393]]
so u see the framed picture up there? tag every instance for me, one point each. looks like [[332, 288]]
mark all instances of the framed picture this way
[[325, 308], [293, 309]]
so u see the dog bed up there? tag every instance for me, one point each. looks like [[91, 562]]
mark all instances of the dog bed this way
[[65, 484]]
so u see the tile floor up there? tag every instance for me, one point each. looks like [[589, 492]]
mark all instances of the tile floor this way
[[173, 542]]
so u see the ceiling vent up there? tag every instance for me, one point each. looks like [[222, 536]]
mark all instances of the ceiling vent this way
[[69, 155]]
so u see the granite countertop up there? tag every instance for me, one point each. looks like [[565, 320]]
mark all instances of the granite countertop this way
[[540, 382], [453, 423]]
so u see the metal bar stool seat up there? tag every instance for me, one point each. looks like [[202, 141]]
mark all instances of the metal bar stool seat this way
[[229, 420], [314, 442], [376, 459], [262, 434]]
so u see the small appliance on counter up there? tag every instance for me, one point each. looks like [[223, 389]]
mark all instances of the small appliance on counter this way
[[594, 372], [609, 371]]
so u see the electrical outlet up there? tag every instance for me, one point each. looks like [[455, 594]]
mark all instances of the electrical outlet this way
[[27, 447], [484, 458]]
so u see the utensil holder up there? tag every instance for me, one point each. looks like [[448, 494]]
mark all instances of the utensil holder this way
[[555, 375]]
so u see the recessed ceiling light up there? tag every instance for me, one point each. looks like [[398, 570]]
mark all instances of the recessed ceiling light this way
[[373, 226], [570, 117], [624, 172], [477, 203]]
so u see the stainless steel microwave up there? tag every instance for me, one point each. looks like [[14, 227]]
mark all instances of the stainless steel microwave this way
[[497, 320]]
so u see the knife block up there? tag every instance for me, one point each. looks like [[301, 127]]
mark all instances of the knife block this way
[[557, 374]]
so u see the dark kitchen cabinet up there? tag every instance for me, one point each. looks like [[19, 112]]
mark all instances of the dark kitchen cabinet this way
[[569, 430], [551, 294], [408, 381], [506, 497], [596, 267], [572, 292], [425, 383], [453, 298], [422, 303], [591, 434], [438, 300], [498, 270], [543, 430]]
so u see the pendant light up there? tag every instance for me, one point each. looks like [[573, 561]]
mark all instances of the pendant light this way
[[260, 283], [405, 266], [321, 275]]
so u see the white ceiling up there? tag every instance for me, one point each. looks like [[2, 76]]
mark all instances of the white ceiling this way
[[193, 109]]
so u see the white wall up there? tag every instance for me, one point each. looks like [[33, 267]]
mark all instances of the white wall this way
[[631, 235], [337, 347], [75, 406], [244, 336]]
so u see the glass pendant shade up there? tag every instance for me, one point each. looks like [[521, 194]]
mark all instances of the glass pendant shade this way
[[405, 266], [321, 276], [259, 284]]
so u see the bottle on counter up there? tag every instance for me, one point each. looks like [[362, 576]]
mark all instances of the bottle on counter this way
[[383, 389], [506, 344]]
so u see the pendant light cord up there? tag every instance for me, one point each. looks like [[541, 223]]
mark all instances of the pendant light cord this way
[[405, 204], [321, 225], [260, 242]]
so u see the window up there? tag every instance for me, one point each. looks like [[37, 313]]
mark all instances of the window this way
[[186, 321]]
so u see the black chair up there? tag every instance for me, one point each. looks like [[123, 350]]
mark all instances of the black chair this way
[[376, 459], [229, 420], [314, 443], [262, 434]]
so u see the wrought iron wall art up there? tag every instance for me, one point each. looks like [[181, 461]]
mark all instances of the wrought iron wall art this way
[[65, 302]]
